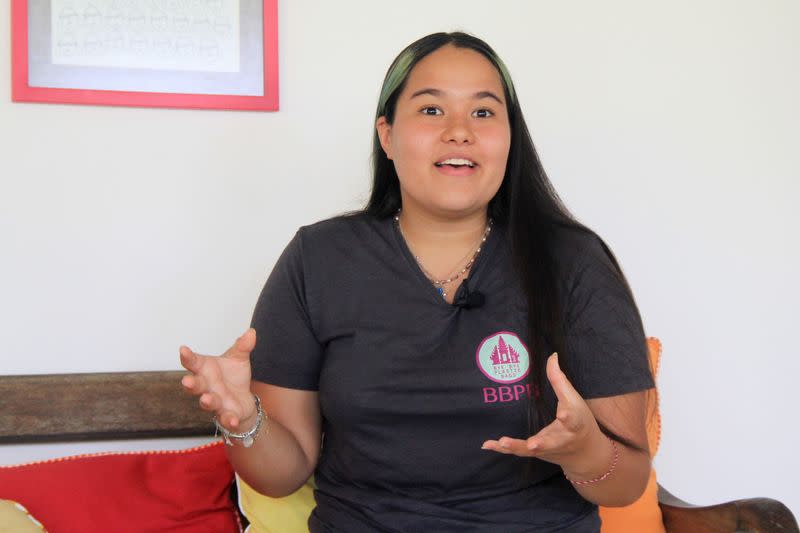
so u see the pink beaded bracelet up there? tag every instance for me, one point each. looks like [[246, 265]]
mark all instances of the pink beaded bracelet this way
[[608, 472]]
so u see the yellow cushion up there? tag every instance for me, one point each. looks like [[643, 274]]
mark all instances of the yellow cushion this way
[[276, 515], [643, 515], [14, 518], [290, 514]]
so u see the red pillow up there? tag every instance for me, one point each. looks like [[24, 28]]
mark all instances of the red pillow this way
[[169, 490]]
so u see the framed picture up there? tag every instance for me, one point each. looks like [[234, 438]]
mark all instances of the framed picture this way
[[200, 54]]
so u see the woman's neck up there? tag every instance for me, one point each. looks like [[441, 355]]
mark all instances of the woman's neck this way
[[441, 243]]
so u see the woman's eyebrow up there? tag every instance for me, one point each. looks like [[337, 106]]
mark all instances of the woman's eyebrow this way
[[438, 93], [488, 94]]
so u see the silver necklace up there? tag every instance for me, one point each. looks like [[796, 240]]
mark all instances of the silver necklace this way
[[441, 283]]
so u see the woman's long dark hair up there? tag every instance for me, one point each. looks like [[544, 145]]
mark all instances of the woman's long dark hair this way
[[526, 203]]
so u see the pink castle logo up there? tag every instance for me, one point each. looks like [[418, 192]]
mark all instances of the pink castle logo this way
[[503, 358], [503, 354]]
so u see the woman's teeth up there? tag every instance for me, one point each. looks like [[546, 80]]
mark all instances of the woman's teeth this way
[[456, 163]]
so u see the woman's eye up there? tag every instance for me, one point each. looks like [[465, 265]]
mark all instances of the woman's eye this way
[[483, 113], [431, 111]]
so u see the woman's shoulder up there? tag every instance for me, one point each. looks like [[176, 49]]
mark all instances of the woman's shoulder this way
[[571, 243], [579, 249], [336, 230]]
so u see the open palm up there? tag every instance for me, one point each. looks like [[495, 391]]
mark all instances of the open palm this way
[[222, 382]]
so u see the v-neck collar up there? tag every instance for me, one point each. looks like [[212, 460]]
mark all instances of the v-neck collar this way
[[474, 273]]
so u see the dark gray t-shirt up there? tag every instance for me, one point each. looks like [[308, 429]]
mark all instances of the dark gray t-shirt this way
[[411, 386]]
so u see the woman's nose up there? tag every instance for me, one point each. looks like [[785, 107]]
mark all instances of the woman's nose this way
[[458, 130]]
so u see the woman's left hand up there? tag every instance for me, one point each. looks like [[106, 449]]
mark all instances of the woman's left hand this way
[[566, 440]]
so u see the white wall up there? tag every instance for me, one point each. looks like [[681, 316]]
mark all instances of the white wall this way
[[671, 128]]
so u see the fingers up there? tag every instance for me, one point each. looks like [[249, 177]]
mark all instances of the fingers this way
[[552, 440], [190, 360], [241, 349], [243, 345], [212, 402], [552, 437], [564, 390], [572, 410], [229, 420], [508, 446], [194, 383], [545, 447], [544, 441], [220, 381], [559, 438]]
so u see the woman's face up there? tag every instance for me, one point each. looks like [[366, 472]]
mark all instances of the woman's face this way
[[450, 138]]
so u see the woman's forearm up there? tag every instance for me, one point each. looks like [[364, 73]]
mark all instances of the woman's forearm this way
[[275, 465], [623, 486]]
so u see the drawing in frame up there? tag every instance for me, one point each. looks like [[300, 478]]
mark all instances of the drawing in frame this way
[[198, 54]]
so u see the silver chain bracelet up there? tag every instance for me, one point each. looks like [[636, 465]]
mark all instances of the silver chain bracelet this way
[[247, 438]]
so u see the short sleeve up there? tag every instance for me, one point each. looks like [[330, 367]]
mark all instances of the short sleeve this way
[[605, 339], [287, 353]]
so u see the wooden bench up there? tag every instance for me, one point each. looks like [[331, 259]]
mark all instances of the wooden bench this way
[[128, 405]]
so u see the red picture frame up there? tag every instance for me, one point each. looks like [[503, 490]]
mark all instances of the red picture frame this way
[[24, 91]]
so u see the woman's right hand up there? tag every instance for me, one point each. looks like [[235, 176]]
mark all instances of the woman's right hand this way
[[223, 382]]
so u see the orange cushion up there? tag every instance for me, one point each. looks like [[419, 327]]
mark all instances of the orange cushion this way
[[643, 515]]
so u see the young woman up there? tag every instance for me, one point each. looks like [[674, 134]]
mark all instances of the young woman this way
[[461, 355]]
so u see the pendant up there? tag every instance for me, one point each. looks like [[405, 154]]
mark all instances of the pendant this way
[[441, 291]]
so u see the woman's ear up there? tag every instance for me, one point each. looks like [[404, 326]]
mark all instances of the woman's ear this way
[[384, 130]]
